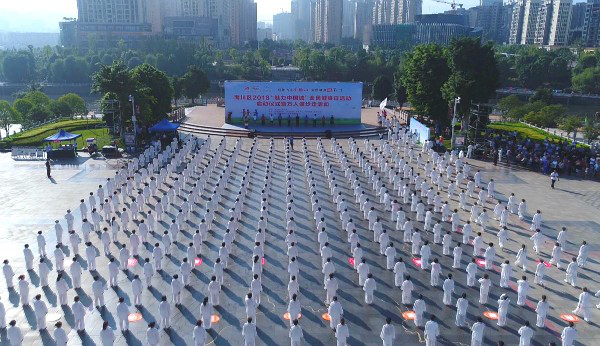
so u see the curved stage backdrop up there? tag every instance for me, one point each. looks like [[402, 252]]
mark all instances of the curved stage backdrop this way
[[339, 103]]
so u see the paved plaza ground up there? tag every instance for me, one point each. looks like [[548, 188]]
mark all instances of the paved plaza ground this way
[[30, 202]]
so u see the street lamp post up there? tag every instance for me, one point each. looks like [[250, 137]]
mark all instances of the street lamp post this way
[[133, 118], [456, 102]]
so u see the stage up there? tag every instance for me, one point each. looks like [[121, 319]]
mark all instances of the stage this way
[[214, 116]]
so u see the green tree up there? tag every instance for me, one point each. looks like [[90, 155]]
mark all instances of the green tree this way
[[116, 80], [587, 81], [570, 124], [39, 113], [60, 108], [591, 130], [19, 67], [177, 89], [23, 106], [158, 89], [474, 75], [548, 116], [542, 94], [8, 116], [382, 88], [508, 103], [399, 91], [519, 112], [134, 62], [426, 71], [195, 82], [75, 103]]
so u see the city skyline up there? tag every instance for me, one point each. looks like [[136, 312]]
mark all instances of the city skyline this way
[[43, 16]]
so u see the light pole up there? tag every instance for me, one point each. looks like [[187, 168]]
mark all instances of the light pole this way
[[133, 118], [456, 102]]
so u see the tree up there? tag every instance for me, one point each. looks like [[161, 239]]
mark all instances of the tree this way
[[19, 67], [177, 89], [116, 80], [60, 108], [195, 82], [134, 62], [23, 106], [399, 91], [591, 130], [8, 116], [588, 81], [508, 103], [382, 88], [570, 124], [426, 71], [542, 94], [37, 98], [39, 113], [548, 116], [75, 103], [474, 75], [157, 88], [519, 112]]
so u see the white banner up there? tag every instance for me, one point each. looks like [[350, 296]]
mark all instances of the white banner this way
[[422, 131], [337, 103]]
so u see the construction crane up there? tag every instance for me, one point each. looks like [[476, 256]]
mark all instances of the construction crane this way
[[452, 3]]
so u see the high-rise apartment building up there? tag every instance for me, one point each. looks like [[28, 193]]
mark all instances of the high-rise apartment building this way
[[560, 23], [413, 8], [577, 20], [398, 15], [242, 21], [326, 21], [348, 14], [591, 24], [301, 18], [489, 2], [541, 22], [283, 26], [103, 22], [363, 19], [493, 19]]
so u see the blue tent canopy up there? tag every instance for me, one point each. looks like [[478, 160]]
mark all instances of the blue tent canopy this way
[[62, 136], [164, 126]]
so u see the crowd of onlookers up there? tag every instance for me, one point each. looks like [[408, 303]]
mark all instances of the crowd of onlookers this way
[[543, 156]]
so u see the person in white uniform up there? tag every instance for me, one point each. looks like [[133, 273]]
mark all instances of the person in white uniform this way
[[432, 331], [542, 310], [462, 304], [200, 335], [526, 333], [107, 335], [568, 335], [296, 335], [388, 333], [248, 332], [342, 333], [14, 334], [477, 330]]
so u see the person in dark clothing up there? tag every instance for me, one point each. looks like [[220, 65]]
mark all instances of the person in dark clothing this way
[[48, 168]]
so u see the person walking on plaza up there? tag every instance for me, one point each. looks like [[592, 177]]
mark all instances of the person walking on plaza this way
[[553, 178], [48, 169]]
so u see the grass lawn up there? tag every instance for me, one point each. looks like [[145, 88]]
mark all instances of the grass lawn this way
[[523, 130], [35, 137]]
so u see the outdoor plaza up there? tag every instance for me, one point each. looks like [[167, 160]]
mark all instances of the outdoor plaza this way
[[194, 211]]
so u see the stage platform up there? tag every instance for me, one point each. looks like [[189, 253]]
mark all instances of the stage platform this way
[[274, 129], [210, 119]]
